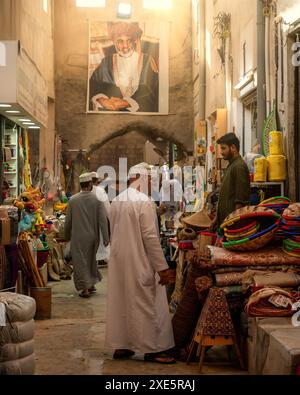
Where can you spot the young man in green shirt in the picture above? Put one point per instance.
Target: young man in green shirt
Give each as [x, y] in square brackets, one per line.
[235, 187]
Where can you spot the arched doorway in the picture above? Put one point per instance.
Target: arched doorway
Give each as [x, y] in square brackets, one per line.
[132, 142]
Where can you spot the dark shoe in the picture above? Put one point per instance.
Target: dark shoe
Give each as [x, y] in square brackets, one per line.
[160, 357]
[92, 290]
[123, 354]
[102, 264]
[83, 294]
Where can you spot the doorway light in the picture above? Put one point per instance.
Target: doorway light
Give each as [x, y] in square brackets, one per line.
[157, 4]
[124, 10]
[90, 3]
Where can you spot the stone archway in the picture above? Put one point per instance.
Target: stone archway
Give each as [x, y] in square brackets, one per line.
[129, 142]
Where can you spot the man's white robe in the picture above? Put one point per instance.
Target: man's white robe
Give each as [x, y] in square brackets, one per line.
[102, 252]
[138, 315]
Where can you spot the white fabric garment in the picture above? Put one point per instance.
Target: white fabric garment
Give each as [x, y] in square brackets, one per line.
[137, 308]
[128, 74]
[103, 252]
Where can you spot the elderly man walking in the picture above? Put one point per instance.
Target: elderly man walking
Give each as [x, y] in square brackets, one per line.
[103, 251]
[138, 319]
[86, 218]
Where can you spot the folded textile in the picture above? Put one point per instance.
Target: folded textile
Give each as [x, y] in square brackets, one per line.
[270, 302]
[233, 289]
[227, 269]
[203, 284]
[278, 279]
[271, 256]
[226, 279]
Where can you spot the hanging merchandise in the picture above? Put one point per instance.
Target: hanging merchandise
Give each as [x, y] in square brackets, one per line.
[269, 126]
[21, 163]
[28, 180]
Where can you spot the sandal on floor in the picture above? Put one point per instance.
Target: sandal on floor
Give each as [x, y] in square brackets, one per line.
[123, 354]
[93, 290]
[160, 357]
[84, 295]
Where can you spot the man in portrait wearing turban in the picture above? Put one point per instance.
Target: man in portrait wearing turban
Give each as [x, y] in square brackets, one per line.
[126, 80]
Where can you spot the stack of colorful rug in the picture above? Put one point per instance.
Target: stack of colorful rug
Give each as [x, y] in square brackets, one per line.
[291, 230]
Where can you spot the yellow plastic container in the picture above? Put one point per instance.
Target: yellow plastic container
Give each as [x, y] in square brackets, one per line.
[276, 168]
[260, 169]
[276, 143]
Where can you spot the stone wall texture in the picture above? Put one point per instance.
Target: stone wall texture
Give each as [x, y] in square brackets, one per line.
[82, 130]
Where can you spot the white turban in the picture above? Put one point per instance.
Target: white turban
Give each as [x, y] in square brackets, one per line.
[141, 169]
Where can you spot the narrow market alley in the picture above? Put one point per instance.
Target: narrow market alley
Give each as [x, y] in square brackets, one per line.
[72, 342]
[150, 189]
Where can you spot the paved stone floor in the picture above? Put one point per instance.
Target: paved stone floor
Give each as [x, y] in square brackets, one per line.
[72, 342]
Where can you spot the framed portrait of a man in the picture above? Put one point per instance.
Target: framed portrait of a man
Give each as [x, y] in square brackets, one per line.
[128, 68]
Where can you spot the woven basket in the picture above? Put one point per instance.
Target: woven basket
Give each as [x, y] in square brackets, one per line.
[246, 228]
[253, 231]
[205, 240]
[277, 200]
[246, 213]
[187, 234]
[253, 242]
[293, 211]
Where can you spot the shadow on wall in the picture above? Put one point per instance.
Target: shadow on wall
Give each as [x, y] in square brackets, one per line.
[157, 136]
[128, 142]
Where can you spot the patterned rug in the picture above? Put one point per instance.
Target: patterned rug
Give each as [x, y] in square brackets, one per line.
[271, 256]
[189, 308]
[215, 319]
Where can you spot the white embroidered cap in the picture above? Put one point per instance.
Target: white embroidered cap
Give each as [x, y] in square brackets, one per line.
[86, 177]
[94, 175]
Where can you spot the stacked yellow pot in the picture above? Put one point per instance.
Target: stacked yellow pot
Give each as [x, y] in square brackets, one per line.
[276, 160]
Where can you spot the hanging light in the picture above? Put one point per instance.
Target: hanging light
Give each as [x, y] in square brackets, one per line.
[124, 10]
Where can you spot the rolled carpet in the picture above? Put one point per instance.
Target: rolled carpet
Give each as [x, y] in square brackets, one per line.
[189, 308]
[226, 279]
[270, 256]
